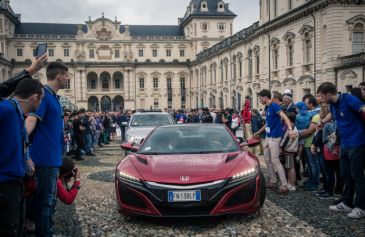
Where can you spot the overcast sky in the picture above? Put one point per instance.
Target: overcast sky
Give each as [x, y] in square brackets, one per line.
[132, 12]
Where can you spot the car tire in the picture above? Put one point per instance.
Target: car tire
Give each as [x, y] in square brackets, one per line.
[262, 190]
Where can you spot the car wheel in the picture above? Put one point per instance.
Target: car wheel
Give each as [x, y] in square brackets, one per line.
[262, 189]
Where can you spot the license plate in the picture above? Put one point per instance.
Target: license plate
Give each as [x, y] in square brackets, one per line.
[184, 196]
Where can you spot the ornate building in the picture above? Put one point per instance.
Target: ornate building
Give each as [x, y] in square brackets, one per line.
[296, 45]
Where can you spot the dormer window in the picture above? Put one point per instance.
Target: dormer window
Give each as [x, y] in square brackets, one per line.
[221, 6]
[204, 6]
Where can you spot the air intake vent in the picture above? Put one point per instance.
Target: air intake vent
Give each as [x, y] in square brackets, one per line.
[231, 157]
[142, 160]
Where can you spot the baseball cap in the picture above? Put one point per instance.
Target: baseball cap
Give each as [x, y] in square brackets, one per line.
[288, 92]
[302, 107]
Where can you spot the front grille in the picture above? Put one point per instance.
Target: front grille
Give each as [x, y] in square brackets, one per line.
[244, 195]
[130, 198]
[186, 209]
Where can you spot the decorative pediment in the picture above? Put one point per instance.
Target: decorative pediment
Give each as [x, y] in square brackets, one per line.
[155, 46]
[102, 29]
[91, 46]
[205, 44]
[348, 74]
[51, 45]
[155, 74]
[288, 35]
[182, 46]
[141, 74]
[169, 74]
[168, 46]
[274, 41]
[306, 28]
[306, 78]
[117, 46]
[356, 19]
[286, 80]
[19, 45]
[66, 45]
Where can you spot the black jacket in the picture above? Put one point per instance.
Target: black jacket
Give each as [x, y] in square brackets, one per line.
[8, 87]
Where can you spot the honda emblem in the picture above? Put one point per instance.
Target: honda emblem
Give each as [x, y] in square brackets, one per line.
[184, 178]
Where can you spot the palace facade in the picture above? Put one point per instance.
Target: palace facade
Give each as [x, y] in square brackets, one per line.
[296, 44]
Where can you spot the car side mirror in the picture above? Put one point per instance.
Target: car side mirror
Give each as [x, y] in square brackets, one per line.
[253, 142]
[129, 147]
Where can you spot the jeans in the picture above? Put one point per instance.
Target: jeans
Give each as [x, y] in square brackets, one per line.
[314, 167]
[271, 153]
[88, 142]
[334, 181]
[96, 138]
[11, 208]
[45, 199]
[352, 172]
[322, 167]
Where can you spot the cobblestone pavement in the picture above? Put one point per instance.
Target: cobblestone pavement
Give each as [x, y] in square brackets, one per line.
[94, 212]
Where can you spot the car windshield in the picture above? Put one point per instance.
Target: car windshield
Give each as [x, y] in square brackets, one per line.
[153, 120]
[189, 140]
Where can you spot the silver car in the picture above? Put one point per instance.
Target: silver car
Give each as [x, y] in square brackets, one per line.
[142, 123]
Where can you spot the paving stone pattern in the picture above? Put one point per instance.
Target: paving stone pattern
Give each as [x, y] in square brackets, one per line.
[94, 212]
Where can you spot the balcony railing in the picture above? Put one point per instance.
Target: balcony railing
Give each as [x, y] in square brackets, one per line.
[352, 60]
[152, 38]
[43, 36]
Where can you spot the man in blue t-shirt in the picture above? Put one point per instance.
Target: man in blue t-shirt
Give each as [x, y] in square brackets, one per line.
[14, 159]
[274, 133]
[346, 110]
[46, 148]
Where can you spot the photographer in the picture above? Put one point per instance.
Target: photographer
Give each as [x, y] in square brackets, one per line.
[68, 174]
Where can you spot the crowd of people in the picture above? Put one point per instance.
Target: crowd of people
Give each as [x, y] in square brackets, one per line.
[317, 143]
[33, 172]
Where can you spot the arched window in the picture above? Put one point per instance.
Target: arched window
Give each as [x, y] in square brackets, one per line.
[169, 92]
[118, 80]
[92, 79]
[307, 48]
[275, 56]
[358, 38]
[257, 60]
[249, 58]
[222, 71]
[105, 81]
[226, 69]
[290, 49]
[234, 68]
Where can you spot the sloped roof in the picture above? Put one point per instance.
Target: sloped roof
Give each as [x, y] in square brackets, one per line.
[212, 10]
[71, 29]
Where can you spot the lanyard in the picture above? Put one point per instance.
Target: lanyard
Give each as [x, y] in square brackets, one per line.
[57, 97]
[25, 136]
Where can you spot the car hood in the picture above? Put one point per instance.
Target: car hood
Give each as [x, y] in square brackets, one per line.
[140, 132]
[198, 167]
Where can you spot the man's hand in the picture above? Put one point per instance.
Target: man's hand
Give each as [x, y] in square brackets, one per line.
[30, 167]
[292, 133]
[77, 174]
[37, 64]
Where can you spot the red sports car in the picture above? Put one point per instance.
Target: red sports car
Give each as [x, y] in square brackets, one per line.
[189, 170]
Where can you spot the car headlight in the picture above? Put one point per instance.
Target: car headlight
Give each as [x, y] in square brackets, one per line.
[245, 174]
[128, 178]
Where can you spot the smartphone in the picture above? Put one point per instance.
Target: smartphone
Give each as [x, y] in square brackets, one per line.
[41, 49]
